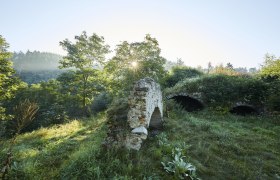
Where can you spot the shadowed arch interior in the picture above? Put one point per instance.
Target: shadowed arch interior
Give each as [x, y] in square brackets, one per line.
[243, 110]
[156, 120]
[189, 104]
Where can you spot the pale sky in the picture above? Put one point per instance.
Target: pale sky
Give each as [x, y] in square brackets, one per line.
[197, 31]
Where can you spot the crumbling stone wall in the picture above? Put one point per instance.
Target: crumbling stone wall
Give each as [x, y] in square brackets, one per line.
[145, 110]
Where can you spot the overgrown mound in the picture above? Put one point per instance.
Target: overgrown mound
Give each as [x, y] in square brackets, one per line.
[117, 122]
[222, 91]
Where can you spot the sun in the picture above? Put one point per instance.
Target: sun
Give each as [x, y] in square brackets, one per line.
[134, 64]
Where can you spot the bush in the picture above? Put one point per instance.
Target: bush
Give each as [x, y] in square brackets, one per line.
[224, 91]
[179, 73]
[50, 102]
[117, 112]
[273, 96]
[100, 103]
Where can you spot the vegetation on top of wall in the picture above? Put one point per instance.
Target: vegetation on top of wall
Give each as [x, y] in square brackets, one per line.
[179, 73]
[223, 90]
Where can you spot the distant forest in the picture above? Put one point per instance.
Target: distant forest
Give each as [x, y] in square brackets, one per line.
[34, 67]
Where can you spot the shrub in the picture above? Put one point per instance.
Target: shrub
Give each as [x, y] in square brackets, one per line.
[179, 73]
[51, 104]
[224, 91]
[100, 103]
[273, 96]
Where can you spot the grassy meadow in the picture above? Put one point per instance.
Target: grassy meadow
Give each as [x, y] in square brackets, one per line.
[219, 146]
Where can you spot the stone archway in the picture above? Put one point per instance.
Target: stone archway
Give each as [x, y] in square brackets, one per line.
[145, 110]
[188, 102]
[156, 119]
[243, 110]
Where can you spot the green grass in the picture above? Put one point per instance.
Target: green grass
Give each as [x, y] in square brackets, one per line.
[228, 146]
[220, 146]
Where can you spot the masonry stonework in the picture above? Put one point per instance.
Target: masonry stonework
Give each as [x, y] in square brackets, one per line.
[145, 111]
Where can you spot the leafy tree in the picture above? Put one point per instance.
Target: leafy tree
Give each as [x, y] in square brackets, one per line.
[209, 67]
[134, 61]
[82, 55]
[180, 62]
[271, 67]
[179, 73]
[71, 87]
[8, 82]
[229, 66]
[270, 73]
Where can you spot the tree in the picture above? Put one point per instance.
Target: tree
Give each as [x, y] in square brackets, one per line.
[229, 66]
[209, 67]
[83, 55]
[8, 82]
[271, 67]
[270, 72]
[180, 62]
[134, 61]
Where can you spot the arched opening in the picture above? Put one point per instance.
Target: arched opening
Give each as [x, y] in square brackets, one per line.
[243, 110]
[156, 120]
[189, 104]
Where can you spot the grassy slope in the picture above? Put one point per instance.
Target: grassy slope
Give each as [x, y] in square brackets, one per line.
[231, 147]
[221, 147]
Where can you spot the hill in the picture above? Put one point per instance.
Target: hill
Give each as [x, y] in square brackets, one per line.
[36, 66]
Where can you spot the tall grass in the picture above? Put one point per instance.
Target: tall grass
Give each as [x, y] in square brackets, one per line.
[219, 146]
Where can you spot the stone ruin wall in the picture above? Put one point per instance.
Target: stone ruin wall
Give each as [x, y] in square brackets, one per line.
[145, 110]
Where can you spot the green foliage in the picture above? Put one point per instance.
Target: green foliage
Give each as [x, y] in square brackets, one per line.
[85, 52]
[179, 73]
[271, 68]
[101, 102]
[228, 70]
[273, 96]
[24, 114]
[117, 112]
[134, 61]
[8, 82]
[224, 91]
[80, 93]
[50, 100]
[83, 55]
[177, 164]
[179, 167]
[33, 77]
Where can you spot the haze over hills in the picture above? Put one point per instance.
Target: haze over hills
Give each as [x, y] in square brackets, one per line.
[35, 61]
[36, 66]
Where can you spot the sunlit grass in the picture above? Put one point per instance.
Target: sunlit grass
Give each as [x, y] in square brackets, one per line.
[228, 146]
[43, 152]
[220, 146]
